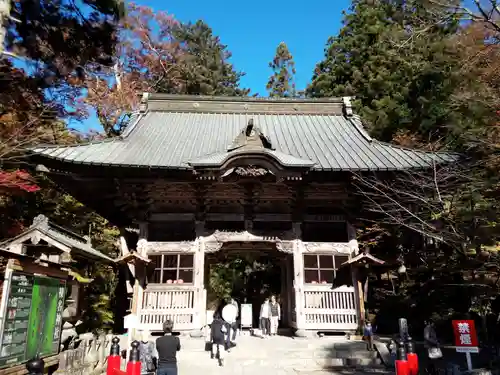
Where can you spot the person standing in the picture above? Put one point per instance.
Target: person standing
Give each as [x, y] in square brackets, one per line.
[265, 314]
[235, 325]
[275, 315]
[431, 343]
[148, 354]
[167, 347]
[229, 314]
[368, 333]
[218, 331]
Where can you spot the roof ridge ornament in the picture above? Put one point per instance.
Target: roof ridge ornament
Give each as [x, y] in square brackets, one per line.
[348, 112]
[40, 221]
[251, 138]
[249, 129]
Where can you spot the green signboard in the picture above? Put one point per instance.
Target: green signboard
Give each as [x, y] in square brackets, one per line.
[32, 318]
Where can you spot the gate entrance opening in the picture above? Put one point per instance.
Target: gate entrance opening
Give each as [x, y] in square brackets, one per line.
[250, 273]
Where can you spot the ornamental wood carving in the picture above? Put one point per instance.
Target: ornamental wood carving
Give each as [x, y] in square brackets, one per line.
[285, 247]
[251, 171]
[213, 247]
[246, 236]
[282, 246]
[216, 240]
[148, 247]
[40, 221]
[327, 247]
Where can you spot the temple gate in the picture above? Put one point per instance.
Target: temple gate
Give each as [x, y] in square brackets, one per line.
[310, 303]
[193, 175]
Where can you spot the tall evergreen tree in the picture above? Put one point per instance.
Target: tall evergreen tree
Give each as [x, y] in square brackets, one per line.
[282, 83]
[206, 69]
[400, 64]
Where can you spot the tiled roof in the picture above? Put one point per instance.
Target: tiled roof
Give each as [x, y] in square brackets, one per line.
[64, 236]
[221, 157]
[171, 133]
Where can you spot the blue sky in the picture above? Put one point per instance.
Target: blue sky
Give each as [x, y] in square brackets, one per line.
[252, 31]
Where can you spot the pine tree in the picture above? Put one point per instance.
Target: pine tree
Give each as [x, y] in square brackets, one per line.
[399, 63]
[282, 83]
[206, 70]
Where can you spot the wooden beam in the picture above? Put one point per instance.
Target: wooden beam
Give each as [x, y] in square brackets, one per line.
[272, 217]
[29, 267]
[324, 218]
[224, 217]
[172, 216]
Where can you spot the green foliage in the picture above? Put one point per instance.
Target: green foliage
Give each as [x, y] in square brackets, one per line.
[17, 213]
[205, 68]
[245, 276]
[281, 84]
[400, 64]
[418, 76]
[223, 278]
[99, 296]
[62, 35]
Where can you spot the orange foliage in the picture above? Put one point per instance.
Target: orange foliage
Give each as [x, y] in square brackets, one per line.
[147, 56]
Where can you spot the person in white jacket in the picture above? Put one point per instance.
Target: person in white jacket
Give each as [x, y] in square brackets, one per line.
[275, 316]
[265, 314]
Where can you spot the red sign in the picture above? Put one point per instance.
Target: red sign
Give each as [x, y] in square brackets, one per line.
[465, 333]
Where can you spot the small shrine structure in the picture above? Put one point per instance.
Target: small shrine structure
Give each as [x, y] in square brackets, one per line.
[201, 175]
[40, 292]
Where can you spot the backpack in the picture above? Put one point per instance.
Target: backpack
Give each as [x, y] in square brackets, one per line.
[146, 354]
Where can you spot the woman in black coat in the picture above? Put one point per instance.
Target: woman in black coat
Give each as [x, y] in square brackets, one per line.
[218, 331]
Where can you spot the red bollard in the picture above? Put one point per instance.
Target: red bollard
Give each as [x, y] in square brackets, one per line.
[402, 363]
[412, 363]
[412, 357]
[134, 363]
[114, 359]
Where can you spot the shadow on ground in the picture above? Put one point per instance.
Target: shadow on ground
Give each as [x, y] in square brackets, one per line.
[352, 357]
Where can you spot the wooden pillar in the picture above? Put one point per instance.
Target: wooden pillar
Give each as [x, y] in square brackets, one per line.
[357, 282]
[284, 290]
[298, 279]
[143, 230]
[289, 289]
[199, 277]
[140, 276]
[359, 295]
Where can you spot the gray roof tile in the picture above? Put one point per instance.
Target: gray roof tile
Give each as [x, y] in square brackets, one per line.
[63, 236]
[221, 157]
[171, 139]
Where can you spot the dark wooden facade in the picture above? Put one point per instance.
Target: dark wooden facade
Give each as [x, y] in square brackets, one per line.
[197, 176]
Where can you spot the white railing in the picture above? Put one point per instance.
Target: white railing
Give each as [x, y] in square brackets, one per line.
[177, 305]
[330, 309]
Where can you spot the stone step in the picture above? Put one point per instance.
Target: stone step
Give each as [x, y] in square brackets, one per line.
[280, 355]
[287, 358]
[262, 367]
[348, 355]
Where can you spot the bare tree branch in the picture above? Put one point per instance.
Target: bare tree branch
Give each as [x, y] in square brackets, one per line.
[429, 202]
[490, 17]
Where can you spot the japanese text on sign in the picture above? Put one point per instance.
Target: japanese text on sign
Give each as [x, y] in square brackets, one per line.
[465, 333]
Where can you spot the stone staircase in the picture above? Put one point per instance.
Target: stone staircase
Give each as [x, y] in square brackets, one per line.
[281, 356]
